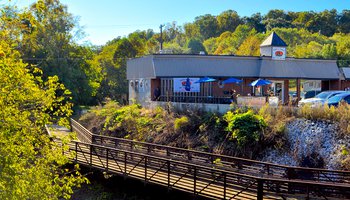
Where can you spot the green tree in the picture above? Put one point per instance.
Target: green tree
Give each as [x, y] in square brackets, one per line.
[343, 49]
[255, 21]
[50, 45]
[195, 46]
[208, 26]
[250, 46]
[210, 45]
[112, 60]
[277, 18]
[31, 166]
[228, 21]
[344, 22]
[192, 30]
[311, 50]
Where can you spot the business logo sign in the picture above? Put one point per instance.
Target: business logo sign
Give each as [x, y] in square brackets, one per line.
[278, 53]
[186, 85]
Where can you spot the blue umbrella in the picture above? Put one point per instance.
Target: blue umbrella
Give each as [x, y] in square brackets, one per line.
[232, 80]
[205, 80]
[260, 82]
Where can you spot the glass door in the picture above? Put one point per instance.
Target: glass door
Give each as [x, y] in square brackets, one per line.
[277, 88]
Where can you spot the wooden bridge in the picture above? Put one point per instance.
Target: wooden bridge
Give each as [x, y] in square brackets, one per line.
[205, 174]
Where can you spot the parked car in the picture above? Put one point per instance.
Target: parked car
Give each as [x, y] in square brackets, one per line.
[311, 93]
[337, 99]
[320, 99]
[293, 96]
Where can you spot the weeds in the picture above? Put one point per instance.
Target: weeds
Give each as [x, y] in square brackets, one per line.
[340, 115]
[240, 132]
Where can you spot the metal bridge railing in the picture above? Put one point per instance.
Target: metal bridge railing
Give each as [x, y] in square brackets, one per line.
[233, 164]
[200, 179]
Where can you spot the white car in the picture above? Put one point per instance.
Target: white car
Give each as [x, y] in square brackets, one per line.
[320, 99]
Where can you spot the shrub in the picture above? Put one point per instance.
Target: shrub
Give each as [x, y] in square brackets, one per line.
[180, 123]
[345, 164]
[245, 127]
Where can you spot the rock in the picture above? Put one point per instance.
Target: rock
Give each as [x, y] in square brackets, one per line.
[316, 140]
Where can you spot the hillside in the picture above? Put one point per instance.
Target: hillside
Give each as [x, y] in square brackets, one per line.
[283, 135]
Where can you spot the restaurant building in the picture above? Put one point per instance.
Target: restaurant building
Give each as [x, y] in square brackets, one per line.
[202, 80]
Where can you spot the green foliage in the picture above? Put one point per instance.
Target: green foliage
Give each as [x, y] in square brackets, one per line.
[195, 46]
[130, 121]
[32, 167]
[246, 128]
[48, 41]
[344, 151]
[180, 123]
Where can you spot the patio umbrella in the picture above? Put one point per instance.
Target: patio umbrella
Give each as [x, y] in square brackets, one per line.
[260, 82]
[232, 80]
[205, 80]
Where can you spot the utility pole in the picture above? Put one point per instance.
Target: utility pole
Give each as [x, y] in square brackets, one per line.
[161, 36]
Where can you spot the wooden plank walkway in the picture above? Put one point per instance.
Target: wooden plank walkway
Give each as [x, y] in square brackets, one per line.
[190, 171]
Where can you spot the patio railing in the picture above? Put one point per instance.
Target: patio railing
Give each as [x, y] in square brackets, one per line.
[197, 99]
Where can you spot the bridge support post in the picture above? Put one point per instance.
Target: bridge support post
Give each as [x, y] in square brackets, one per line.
[145, 170]
[194, 181]
[107, 153]
[260, 194]
[90, 155]
[225, 185]
[76, 152]
[125, 158]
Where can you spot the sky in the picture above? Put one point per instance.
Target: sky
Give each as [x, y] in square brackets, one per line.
[104, 20]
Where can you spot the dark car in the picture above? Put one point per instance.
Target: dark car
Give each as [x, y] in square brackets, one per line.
[335, 100]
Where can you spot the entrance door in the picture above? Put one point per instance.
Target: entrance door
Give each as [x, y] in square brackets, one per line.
[277, 87]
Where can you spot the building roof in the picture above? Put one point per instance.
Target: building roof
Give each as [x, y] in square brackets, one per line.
[155, 66]
[346, 72]
[273, 40]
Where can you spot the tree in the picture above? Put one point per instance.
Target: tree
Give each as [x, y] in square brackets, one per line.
[344, 22]
[112, 60]
[31, 166]
[304, 19]
[311, 50]
[255, 21]
[50, 45]
[195, 46]
[329, 51]
[171, 31]
[208, 26]
[324, 22]
[210, 45]
[277, 18]
[192, 30]
[343, 49]
[250, 46]
[228, 21]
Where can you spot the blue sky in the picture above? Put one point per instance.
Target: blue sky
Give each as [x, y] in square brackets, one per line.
[104, 20]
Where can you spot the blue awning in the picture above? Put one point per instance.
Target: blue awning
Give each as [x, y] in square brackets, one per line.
[205, 80]
[232, 80]
[260, 82]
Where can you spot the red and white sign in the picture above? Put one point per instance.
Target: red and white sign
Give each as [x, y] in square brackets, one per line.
[278, 53]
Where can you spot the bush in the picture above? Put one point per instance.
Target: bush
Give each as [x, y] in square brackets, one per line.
[180, 123]
[245, 127]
